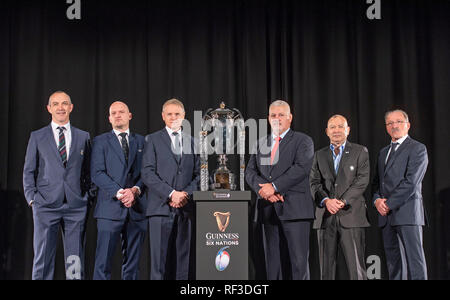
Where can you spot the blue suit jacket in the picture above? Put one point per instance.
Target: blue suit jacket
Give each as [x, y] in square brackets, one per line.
[400, 182]
[110, 173]
[45, 179]
[162, 174]
[290, 176]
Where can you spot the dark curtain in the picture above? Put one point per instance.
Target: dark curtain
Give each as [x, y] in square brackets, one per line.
[323, 57]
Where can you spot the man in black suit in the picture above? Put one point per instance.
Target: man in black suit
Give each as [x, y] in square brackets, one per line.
[398, 199]
[339, 176]
[279, 177]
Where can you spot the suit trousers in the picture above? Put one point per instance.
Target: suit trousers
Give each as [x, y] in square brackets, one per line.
[286, 245]
[47, 222]
[352, 244]
[170, 247]
[403, 246]
[132, 236]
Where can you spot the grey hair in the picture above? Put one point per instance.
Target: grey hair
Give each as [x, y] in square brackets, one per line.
[405, 115]
[173, 101]
[59, 92]
[280, 103]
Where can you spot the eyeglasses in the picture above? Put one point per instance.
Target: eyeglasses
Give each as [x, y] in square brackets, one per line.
[396, 123]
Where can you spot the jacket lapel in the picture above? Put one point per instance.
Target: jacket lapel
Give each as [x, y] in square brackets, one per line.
[133, 149]
[282, 147]
[166, 138]
[344, 158]
[73, 144]
[396, 153]
[51, 143]
[115, 145]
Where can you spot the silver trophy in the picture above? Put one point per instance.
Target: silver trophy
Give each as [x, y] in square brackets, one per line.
[218, 127]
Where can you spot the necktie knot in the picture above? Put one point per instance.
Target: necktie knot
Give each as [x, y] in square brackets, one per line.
[123, 135]
[61, 129]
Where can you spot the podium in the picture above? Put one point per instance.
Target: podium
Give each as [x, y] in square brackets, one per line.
[222, 235]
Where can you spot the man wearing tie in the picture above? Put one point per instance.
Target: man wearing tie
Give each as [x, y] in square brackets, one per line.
[398, 199]
[279, 174]
[339, 176]
[120, 210]
[171, 172]
[56, 183]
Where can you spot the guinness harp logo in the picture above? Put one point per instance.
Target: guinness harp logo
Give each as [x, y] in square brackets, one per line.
[223, 220]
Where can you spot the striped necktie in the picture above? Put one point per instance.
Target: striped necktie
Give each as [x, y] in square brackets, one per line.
[62, 145]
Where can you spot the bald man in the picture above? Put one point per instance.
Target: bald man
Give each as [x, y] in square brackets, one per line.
[339, 176]
[56, 183]
[115, 167]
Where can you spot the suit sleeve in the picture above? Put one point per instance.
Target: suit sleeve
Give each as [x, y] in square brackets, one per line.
[376, 184]
[415, 171]
[361, 180]
[300, 169]
[99, 172]
[86, 180]
[316, 182]
[149, 175]
[252, 176]
[30, 169]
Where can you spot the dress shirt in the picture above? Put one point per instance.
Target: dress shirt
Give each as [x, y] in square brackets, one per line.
[67, 136]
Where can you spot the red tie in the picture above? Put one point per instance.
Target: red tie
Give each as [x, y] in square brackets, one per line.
[274, 149]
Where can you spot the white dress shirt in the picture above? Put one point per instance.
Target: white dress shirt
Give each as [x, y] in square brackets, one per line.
[117, 133]
[67, 136]
[172, 138]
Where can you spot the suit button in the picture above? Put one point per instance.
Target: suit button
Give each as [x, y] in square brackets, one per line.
[179, 172]
[270, 177]
[335, 184]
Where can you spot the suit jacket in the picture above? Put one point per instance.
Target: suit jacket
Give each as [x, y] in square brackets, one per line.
[400, 182]
[162, 174]
[110, 173]
[349, 184]
[45, 179]
[290, 176]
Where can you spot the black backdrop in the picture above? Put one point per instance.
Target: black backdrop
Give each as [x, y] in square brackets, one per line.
[323, 57]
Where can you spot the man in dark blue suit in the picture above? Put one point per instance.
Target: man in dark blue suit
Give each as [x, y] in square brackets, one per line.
[56, 183]
[398, 199]
[280, 178]
[120, 210]
[171, 172]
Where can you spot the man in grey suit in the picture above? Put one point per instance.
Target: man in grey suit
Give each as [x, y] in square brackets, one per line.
[171, 172]
[339, 176]
[280, 178]
[56, 183]
[398, 199]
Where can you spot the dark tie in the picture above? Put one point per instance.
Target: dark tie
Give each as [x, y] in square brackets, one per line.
[337, 150]
[391, 153]
[274, 149]
[62, 146]
[177, 146]
[124, 143]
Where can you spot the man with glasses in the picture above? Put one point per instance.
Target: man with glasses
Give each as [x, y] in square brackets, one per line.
[398, 199]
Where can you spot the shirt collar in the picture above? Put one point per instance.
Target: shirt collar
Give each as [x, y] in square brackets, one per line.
[342, 147]
[282, 135]
[55, 126]
[117, 132]
[400, 141]
[170, 131]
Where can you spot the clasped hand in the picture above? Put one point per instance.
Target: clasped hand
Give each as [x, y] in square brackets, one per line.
[178, 199]
[268, 192]
[128, 197]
